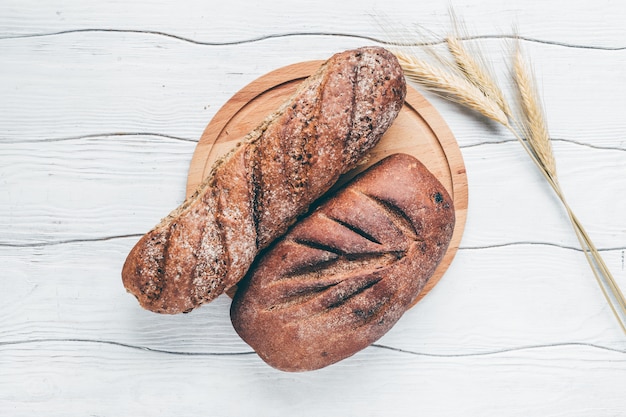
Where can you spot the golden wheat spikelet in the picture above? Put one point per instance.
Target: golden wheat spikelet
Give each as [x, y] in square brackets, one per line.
[533, 119]
[450, 85]
[477, 72]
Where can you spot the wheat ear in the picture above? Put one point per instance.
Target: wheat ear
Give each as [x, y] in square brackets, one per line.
[534, 122]
[450, 86]
[477, 72]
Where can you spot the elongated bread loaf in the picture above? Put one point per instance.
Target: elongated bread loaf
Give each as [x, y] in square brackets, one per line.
[257, 191]
[345, 274]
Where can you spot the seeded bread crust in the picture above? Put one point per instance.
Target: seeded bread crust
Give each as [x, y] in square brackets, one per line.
[344, 275]
[257, 191]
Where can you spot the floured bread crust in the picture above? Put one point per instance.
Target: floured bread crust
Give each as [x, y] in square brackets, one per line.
[257, 191]
[344, 275]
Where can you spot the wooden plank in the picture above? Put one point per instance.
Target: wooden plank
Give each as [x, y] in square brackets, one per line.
[140, 84]
[510, 201]
[495, 298]
[585, 23]
[89, 188]
[66, 379]
[80, 189]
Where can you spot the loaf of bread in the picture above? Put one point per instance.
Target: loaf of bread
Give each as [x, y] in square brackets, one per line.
[258, 190]
[344, 275]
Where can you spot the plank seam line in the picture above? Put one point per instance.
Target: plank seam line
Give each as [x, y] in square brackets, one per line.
[295, 34]
[571, 141]
[121, 344]
[375, 345]
[99, 135]
[183, 139]
[530, 243]
[68, 241]
[504, 350]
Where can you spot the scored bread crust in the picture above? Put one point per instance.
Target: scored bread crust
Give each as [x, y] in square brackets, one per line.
[345, 274]
[258, 190]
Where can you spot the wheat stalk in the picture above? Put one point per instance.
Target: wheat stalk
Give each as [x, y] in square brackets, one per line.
[467, 81]
[538, 138]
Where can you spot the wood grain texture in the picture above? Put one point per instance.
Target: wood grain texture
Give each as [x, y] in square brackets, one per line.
[102, 106]
[110, 380]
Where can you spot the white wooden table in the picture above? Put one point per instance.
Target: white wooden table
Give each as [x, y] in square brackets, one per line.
[101, 106]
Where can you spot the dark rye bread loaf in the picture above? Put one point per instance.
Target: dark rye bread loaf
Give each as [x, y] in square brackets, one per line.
[343, 276]
[257, 191]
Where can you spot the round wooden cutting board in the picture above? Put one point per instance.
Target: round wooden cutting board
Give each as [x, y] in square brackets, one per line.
[419, 130]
